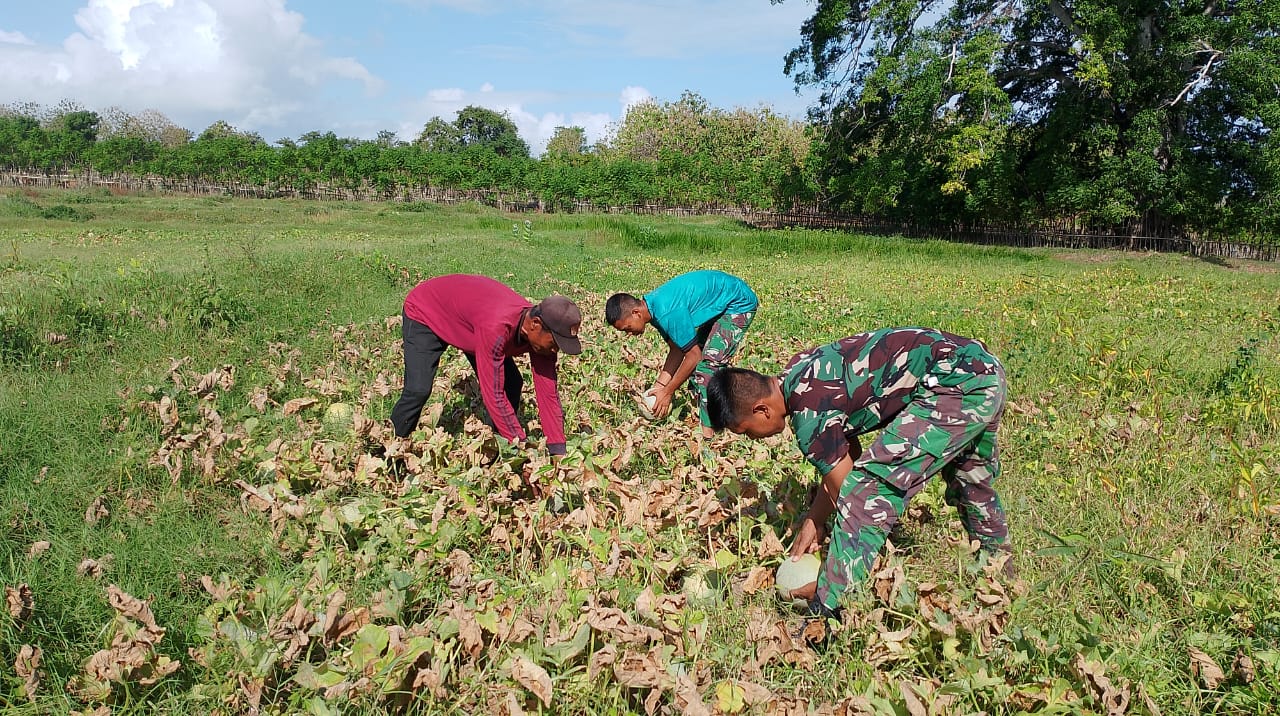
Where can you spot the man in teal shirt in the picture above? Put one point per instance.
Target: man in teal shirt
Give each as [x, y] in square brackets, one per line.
[702, 315]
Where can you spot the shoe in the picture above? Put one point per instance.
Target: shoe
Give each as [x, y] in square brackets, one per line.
[816, 631]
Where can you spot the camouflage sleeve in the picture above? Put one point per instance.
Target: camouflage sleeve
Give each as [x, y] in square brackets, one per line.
[820, 436]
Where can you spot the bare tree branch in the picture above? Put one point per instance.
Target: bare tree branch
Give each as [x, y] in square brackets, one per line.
[1204, 72]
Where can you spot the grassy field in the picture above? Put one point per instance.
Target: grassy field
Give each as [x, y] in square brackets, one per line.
[183, 533]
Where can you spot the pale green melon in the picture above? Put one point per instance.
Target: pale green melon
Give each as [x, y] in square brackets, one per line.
[339, 417]
[702, 588]
[796, 573]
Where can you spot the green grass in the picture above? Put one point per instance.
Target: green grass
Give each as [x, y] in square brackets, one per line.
[1140, 464]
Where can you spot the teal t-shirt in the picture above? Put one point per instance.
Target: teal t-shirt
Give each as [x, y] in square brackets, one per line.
[691, 300]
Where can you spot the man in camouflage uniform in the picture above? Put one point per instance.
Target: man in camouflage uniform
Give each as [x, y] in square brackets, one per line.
[936, 399]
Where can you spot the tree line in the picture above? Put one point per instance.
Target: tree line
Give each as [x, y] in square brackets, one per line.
[681, 153]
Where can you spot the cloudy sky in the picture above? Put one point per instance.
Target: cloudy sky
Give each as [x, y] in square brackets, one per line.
[285, 67]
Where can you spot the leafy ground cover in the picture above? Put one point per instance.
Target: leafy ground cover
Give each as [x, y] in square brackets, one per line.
[185, 532]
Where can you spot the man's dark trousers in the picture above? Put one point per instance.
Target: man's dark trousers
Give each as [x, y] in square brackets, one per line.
[422, 351]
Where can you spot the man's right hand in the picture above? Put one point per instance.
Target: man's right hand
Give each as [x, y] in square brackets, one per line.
[808, 538]
[662, 401]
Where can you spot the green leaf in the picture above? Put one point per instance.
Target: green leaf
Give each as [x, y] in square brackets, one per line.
[1056, 551]
[566, 650]
[370, 642]
[488, 620]
[724, 559]
[318, 676]
[730, 698]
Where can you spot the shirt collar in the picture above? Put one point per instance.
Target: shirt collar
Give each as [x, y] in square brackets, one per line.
[519, 339]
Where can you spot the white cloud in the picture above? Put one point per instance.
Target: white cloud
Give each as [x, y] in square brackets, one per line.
[536, 129]
[14, 38]
[448, 96]
[246, 61]
[632, 96]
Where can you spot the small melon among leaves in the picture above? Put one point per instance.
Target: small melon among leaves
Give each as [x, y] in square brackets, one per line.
[793, 574]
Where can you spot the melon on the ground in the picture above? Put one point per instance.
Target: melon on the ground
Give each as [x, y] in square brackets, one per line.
[702, 588]
[645, 404]
[339, 417]
[795, 573]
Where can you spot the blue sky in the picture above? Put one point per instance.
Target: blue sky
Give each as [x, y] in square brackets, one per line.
[285, 67]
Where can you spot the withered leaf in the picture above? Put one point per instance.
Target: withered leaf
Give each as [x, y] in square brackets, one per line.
[769, 546]
[532, 677]
[20, 601]
[636, 670]
[131, 607]
[297, 405]
[1203, 666]
[27, 667]
[601, 660]
[94, 568]
[911, 699]
[1114, 698]
[815, 631]
[96, 511]
[258, 400]
[758, 578]
[1243, 667]
[219, 591]
[688, 698]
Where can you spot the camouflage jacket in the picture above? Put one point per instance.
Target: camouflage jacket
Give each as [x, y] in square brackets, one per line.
[860, 383]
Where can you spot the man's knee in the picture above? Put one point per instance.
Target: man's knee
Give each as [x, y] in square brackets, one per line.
[415, 395]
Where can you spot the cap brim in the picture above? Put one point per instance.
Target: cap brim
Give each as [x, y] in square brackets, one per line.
[567, 344]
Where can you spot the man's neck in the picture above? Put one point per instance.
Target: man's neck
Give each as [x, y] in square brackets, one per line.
[522, 326]
[782, 397]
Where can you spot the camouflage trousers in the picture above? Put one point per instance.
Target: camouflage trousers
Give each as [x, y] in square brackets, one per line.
[720, 340]
[949, 427]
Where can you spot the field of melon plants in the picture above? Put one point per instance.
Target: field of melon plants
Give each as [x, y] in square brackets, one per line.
[182, 531]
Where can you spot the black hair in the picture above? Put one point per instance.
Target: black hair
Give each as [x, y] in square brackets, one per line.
[618, 304]
[730, 394]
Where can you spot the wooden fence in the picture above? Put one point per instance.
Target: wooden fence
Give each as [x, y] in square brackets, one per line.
[1067, 234]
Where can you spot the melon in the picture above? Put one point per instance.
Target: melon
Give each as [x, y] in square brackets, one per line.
[646, 403]
[702, 588]
[796, 573]
[339, 417]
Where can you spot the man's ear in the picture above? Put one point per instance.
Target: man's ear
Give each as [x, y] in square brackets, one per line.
[531, 326]
[761, 408]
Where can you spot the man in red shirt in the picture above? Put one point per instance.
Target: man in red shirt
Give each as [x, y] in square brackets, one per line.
[491, 324]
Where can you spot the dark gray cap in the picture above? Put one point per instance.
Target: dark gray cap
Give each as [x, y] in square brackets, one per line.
[563, 318]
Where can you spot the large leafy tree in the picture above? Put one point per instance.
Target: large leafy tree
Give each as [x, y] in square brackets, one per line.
[1033, 108]
[438, 136]
[476, 127]
[567, 142]
[481, 127]
[709, 155]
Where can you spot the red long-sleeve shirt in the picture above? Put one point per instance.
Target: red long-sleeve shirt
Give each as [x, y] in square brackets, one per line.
[481, 316]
